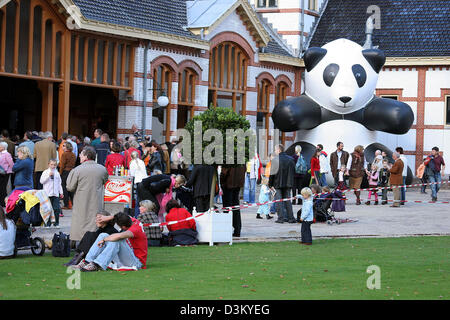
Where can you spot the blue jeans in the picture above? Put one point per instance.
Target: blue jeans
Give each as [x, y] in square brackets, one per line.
[435, 177]
[249, 189]
[403, 192]
[323, 180]
[117, 251]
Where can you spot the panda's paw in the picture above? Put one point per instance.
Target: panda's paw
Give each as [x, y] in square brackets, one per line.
[388, 115]
[300, 113]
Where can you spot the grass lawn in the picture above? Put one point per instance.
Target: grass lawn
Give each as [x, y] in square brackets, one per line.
[411, 268]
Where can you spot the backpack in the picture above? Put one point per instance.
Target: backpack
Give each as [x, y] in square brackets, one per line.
[431, 167]
[61, 245]
[300, 166]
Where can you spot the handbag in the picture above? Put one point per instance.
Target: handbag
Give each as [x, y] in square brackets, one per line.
[61, 245]
[2, 171]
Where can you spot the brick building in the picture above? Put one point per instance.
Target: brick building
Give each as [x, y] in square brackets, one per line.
[76, 65]
[414, 36]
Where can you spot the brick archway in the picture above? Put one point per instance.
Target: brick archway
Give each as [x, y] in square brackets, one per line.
[228, 36]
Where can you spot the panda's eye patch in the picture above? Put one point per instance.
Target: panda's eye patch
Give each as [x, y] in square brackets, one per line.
[360, 74]
[330, 73]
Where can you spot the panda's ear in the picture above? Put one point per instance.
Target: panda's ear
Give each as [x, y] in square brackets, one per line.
[375, 57]
[313, 56]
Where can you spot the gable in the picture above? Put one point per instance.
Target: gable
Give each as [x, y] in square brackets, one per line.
[204, 16]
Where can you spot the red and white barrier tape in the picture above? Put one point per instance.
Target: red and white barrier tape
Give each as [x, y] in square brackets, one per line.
[396, 186]
[250, 205]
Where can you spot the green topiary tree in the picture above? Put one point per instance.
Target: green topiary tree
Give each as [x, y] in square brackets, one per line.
[219, 136]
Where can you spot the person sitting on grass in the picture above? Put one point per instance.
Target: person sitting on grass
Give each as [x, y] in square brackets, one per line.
[147, 214]
[7, 235]
[128, 249]
[182, 233]
[89, 237]
[307, 216]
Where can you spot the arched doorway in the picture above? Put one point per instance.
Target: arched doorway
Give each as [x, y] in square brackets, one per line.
[91, 108]
[20, 105]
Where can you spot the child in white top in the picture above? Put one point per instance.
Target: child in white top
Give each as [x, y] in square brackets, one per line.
[307, 216]
[51, 182]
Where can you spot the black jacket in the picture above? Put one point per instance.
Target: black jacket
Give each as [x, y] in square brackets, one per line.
[102, 150]
[284, 176]
[157, 184]
[155, 162]
[201, 179]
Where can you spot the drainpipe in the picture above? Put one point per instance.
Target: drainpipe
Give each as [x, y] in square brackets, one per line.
[369, 32]
[302, 26]
[144, 89]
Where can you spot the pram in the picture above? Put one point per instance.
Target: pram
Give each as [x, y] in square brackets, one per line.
[25, 223]
[322, 209]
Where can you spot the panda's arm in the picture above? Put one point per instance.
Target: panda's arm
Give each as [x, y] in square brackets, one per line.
[388, 115]
[300, 113]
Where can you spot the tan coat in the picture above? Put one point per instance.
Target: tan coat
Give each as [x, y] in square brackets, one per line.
[86, 182]
[44, 150]
[396, 178]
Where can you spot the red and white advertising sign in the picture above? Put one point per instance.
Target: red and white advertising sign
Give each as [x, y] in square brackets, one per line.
[118, 190]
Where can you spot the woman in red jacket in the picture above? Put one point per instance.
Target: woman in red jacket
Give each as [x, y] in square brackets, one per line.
[182, 233]
[114, 159]
[176, 213]
[315, 167]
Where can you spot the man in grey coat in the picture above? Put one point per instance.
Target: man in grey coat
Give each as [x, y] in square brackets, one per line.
[282, 179]
[86, 182]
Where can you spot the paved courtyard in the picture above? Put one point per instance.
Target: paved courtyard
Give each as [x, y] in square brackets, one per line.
[412, 219]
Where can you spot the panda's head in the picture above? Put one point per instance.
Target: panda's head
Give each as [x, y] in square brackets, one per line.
[341, 76]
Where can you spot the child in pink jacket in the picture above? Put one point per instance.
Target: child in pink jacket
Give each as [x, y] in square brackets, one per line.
[372, 176]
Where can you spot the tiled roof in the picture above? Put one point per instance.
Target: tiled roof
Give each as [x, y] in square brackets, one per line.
[275, 48]
[168, 16]
[409, 28]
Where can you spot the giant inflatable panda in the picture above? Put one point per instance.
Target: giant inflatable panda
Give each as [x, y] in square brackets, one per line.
[339, 103]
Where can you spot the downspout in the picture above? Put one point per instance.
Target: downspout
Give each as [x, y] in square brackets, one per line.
[144, 89]
[302, 26]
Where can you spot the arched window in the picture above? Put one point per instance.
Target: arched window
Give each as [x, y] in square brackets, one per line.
[186, 96]
[163, 76]
[228, 77]
[281, 91]
[265, 88]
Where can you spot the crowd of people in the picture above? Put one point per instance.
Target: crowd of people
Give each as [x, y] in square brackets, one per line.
[74, 170]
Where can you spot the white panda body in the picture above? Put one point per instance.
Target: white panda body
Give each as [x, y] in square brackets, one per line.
[339, 102]
[344, 54]
[329, 133]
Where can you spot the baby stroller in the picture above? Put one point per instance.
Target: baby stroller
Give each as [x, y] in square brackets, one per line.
[25, 223]
[322, 209]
